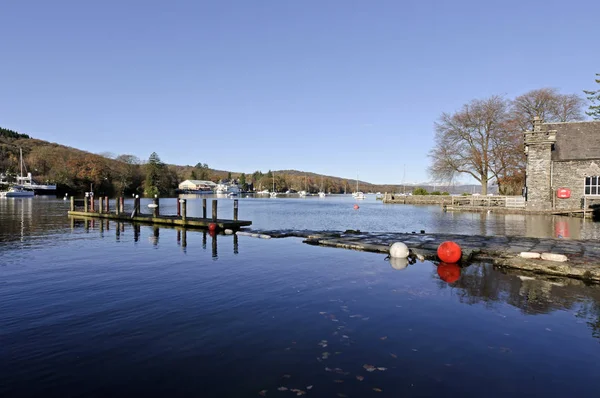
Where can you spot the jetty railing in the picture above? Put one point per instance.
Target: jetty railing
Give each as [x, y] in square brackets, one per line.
[488, 201]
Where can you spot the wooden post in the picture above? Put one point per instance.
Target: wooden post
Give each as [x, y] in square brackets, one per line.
[204, 208]
[106, 205]
[178, 208]
[72, 203]
[122, 204]
[100, 205]
[85, 204]
[235, 209]
[183, 209]
[92, 203]
[214, 210]
[155, 211]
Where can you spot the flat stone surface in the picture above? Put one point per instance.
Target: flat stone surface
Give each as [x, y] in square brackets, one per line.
[583, 255]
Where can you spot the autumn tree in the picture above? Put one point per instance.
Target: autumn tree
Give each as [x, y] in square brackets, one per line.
[547, 104]
[594, 98]
[464, 141]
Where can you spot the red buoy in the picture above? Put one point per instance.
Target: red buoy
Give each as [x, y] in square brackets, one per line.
[449, 273]
[212, 227]
[449, 252]
[356, 207]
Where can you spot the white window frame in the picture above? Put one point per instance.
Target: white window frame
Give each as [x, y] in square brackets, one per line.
[588, 182]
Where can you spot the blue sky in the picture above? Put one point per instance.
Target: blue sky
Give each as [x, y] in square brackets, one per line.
[334, 87]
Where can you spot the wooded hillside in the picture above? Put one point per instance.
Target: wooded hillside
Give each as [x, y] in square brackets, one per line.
[75, 171]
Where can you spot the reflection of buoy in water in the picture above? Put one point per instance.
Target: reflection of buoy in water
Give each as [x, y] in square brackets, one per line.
[449, 252]
[398, 263]
[212, 227]
[449, 273]
[356, 207]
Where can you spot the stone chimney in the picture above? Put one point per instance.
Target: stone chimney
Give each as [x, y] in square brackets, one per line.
[538, 148]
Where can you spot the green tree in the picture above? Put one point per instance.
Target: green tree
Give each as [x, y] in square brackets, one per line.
[229, 176]
[160, 179]
[594, 98]
[243, 182]
[193, 175]
[420, 191]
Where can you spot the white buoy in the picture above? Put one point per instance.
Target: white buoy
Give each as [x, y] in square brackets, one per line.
[530, 255]
[399, 250]
[398, 263]
[228, 232]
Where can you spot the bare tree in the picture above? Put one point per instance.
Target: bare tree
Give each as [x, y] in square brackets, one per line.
[465, 140]
[547, 104]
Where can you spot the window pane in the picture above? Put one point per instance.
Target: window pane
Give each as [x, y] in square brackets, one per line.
[587, 190]
[588, 181]
[594, 191]
[594, 180]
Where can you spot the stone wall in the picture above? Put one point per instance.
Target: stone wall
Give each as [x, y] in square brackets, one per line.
[539, 194]
[571, 174]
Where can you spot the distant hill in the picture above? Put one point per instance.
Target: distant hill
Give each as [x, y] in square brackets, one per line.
[74, 170]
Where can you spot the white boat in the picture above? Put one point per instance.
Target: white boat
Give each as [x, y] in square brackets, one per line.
[17, 191]
[321, 191]
[358, 194]
[302, 194]
[263, 192]
[227, 189]
[273, 193]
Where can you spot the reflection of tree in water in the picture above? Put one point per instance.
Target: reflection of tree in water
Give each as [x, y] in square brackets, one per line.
[482, 284]
[590, 311]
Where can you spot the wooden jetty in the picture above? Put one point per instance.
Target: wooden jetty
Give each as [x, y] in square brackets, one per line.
[118, 213]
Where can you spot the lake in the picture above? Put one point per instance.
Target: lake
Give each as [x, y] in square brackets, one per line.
[98, 309]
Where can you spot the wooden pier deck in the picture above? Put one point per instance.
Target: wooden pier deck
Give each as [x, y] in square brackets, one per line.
[180, 219]
[193, 222]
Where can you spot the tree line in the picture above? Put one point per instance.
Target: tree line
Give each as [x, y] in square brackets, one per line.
[484, 138]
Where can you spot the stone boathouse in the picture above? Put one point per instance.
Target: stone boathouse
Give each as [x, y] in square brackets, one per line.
[563, 165]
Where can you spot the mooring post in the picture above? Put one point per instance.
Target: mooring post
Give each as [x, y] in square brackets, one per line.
[178, 208]
[100, 205]
[204, 208]
[92, 202]
[155, 211]
[106, 205]
[117, 205]
[85, 203]
[136, 205]
[235, 209]
[72, 203]
[214, 210]
[183, 208]
[122, 204]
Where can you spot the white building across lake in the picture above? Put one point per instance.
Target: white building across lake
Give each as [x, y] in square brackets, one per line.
[197, 186]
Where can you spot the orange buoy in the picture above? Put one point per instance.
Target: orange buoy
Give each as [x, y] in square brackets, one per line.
[449, 273]
[212, 227]
[449, 252]
[356, 207]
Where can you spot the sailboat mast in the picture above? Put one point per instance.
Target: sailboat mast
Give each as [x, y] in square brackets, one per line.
[21, 160]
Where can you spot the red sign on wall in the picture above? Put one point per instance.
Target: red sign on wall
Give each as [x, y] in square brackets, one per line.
[563, 193]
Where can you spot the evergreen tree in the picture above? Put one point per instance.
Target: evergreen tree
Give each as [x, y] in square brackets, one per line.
[193, 175]
[229, 176]
[594, 97]
[243, 183]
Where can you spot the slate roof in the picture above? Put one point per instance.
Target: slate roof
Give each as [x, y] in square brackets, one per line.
[576, 140]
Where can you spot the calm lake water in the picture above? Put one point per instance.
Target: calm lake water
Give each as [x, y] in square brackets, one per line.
[96, 309]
